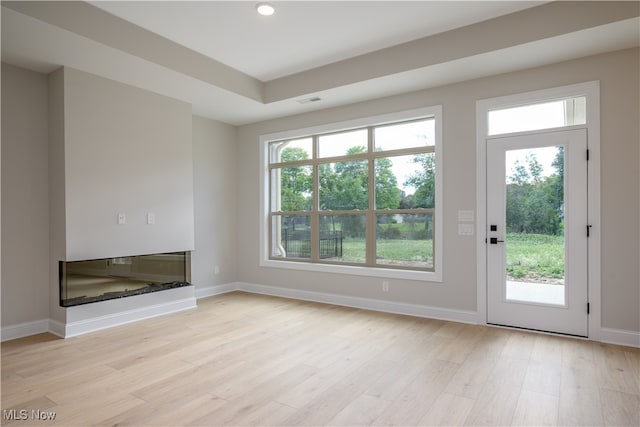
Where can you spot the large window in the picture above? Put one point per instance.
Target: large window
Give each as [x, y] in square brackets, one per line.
[359, 196]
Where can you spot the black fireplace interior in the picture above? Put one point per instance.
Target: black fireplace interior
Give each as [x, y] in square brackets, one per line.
[84, 282]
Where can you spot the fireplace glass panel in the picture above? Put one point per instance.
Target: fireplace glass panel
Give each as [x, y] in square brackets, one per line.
[83, 282]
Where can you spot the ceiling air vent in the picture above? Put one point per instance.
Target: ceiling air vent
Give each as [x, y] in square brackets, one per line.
[308, 100]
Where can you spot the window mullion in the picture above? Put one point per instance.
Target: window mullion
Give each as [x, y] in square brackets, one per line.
[370, 233]
[315, 219]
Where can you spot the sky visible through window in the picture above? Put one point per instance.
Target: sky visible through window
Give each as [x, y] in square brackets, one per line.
[391, 137]
[529, 117]
[543, 155]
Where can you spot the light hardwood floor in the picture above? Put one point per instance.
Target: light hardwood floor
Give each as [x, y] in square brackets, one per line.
[242, 359]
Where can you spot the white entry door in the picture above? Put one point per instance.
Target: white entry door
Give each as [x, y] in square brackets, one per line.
[537, 226]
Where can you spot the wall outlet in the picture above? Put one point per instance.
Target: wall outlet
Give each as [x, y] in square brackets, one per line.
[122, 218]
[385, 286]
[216, 269]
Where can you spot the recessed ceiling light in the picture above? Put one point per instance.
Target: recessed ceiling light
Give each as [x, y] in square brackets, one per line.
[265, 9]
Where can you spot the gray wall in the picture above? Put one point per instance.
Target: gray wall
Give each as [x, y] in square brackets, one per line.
[214, 164]
[618, 74]
[25, 199]
[126, 150]
[620, 193]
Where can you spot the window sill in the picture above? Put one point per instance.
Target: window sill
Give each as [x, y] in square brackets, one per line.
[387, 273]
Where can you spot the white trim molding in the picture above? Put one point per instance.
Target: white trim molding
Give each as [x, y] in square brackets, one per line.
[56, 328]
[618, 337]
[26, 329]
[209, 291]
[72, 329]
[607, 335]
[363, 303]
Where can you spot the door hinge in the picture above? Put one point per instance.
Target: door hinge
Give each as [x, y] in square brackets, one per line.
[588, 308]
[588, 152]
[589, 230]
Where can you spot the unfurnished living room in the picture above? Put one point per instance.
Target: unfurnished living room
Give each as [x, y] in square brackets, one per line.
[310, 213]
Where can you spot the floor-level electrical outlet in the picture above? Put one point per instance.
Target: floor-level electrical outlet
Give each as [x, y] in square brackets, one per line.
[385, 286]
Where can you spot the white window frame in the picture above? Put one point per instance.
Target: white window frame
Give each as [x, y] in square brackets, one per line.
[382, 272]
[591, 90]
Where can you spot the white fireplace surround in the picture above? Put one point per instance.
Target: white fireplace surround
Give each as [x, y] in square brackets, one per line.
[118, 156]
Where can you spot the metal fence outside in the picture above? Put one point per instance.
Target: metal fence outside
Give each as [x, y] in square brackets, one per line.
[297, 243]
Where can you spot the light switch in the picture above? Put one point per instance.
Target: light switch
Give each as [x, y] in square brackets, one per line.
[122, 218]
[465, 229]
[151, 218]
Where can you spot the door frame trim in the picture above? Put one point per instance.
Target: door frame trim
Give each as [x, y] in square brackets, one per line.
[591, 90]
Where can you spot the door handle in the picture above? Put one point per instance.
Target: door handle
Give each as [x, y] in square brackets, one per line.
[495, 241]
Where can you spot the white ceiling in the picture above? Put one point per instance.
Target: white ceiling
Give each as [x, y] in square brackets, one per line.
[301, 34]
[236, 66]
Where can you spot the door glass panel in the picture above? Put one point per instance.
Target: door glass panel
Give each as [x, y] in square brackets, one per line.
[535, 241]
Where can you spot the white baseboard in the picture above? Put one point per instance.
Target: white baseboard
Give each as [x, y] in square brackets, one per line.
[364, 303]
[26, 329]
[606, 335]
[56, 328]
[619, 337]
[209, 291]
[72, 329]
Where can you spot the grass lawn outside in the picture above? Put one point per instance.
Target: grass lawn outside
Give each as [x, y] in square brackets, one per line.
[533, 258]
[536, 258]
[415, 253]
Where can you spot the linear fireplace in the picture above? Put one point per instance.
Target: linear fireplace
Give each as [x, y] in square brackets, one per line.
[84, 282]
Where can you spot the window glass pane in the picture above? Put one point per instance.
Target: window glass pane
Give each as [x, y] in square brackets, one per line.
[288, 151]
[405, 182]
[295, 190]
[547, 115]
[343, 143]
[405, 240]
[344, 185]
[405, 135]
[415, 177]
[291, 236]
[342, 238]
